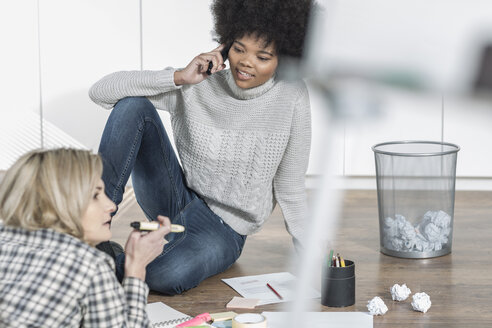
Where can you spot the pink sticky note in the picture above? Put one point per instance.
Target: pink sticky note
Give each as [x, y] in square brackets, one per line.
[242, 303]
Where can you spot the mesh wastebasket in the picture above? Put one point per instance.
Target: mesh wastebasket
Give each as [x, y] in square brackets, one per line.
[416, 187]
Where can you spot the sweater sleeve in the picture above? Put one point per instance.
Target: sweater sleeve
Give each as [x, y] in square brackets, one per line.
[157, 86]
[107, 304]
[289, 181]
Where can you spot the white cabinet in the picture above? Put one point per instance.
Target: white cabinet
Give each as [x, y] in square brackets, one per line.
[469, 124]
[81, 41]
[19, 79]
[402, 116]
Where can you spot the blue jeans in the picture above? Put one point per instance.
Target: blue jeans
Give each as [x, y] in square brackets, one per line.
[135, 141]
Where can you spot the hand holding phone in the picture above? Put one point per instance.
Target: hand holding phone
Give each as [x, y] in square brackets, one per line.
[224, 52]
[201, 66]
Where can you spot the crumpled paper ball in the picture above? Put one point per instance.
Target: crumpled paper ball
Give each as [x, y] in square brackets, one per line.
[421, 302]
[376, 306]
[399, 233]
[391, 229]
[435, 226]
[440, 218]
[400, 293]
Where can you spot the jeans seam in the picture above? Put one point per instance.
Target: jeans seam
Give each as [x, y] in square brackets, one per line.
[128, 160]
[239, 249]
[184, 234]
[166, 160]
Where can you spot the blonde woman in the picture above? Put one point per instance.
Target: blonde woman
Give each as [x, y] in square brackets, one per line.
[53, 210]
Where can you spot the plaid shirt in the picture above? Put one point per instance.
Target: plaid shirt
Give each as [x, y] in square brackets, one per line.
[50, 279]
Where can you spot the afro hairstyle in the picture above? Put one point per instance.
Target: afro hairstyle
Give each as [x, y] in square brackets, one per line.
[281, 22]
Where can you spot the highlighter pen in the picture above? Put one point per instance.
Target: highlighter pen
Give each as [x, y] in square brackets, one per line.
[197, 321]
[154, 225]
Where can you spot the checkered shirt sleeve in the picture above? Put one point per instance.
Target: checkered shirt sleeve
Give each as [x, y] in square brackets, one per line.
[109, 305]
[136, 298]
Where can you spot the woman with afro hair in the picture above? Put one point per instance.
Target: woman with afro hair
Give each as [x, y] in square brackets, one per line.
[242, 135]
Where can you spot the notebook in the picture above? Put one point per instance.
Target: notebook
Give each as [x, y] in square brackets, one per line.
[164, 316]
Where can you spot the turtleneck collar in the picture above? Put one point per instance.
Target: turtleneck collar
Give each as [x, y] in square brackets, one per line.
[251, 93]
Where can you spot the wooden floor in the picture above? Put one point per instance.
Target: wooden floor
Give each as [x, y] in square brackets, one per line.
[459, 284]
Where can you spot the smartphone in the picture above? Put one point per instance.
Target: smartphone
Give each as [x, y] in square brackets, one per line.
[224, 52]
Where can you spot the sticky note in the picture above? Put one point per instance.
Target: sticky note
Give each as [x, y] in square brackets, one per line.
[222, 316]
[242, 303]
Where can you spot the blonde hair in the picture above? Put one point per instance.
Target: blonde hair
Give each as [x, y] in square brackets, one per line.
[50, 189]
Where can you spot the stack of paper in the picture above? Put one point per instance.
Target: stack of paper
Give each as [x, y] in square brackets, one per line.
[256, 287]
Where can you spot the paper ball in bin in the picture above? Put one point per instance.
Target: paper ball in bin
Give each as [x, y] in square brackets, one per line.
[429, 235]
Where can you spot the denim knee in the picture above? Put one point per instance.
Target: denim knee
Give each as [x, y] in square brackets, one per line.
[170, 283]
[134, 108]
[185, 270]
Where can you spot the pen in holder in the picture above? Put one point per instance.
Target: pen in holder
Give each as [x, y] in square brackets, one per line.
[338, 285]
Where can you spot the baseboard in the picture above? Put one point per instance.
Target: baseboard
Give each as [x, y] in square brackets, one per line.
[369, 182]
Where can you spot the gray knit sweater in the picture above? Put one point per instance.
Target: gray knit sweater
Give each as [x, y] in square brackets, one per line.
[242, 150]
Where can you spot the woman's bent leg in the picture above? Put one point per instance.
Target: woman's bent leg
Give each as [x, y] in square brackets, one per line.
[135, 142]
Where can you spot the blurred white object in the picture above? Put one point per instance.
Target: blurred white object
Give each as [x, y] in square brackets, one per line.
[400, 293]
[421, 302]
[434, 46]
[376, 306]
[355, 45]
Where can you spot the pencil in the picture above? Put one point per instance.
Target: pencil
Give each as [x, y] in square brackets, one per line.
[342, 261]
[330, 258]
[273, 290]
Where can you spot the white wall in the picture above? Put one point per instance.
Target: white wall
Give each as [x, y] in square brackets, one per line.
[51, 55]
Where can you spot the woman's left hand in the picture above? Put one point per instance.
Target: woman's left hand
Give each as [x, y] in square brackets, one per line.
[141, 249]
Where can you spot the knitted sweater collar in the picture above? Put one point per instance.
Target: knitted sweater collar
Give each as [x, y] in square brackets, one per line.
[250, 93]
